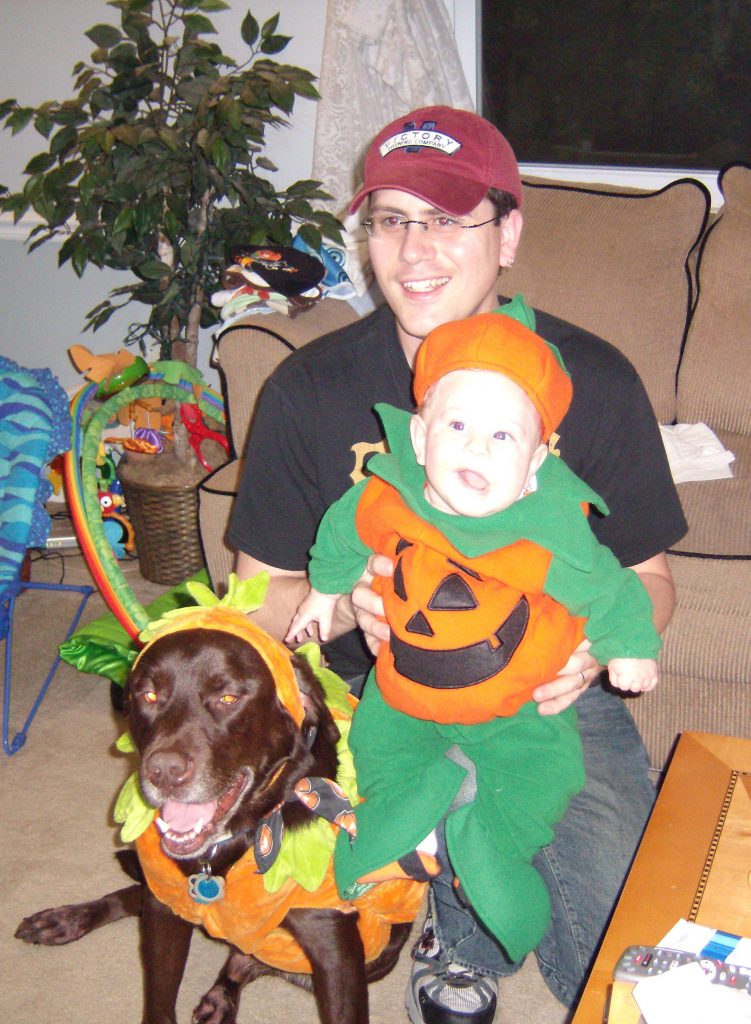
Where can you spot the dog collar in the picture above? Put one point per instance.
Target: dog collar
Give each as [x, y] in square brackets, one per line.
[320, 795]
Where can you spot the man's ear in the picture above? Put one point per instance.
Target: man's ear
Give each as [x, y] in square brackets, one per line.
[511, 229]
[417, 431]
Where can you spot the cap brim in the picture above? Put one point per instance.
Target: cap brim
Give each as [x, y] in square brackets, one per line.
[448, 192]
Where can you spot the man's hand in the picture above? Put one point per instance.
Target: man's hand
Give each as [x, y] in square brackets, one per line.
[368, 605]
[576, 676]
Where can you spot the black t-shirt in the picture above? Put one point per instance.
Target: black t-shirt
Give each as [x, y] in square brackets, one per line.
[315, 424]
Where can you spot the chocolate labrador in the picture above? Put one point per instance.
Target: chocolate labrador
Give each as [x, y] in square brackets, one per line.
[218, 752]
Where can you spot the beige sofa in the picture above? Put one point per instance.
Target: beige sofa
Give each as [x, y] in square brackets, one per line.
[669, 283]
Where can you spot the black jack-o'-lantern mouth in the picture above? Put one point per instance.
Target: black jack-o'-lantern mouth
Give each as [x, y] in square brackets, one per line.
[456, 667]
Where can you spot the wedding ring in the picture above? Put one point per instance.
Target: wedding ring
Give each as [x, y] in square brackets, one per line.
[583, 678]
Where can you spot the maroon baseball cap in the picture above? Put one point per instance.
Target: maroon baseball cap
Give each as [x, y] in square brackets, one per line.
[448, 157]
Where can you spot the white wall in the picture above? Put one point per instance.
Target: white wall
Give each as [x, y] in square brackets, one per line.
[43, 308]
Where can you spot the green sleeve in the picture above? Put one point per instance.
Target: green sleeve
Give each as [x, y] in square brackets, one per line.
[338, 557]
[614, 601]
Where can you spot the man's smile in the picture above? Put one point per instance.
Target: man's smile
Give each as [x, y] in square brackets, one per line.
[425, 286]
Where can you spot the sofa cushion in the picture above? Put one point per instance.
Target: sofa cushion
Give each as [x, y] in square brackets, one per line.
[621, 269]
[713, 383]
[718, 512]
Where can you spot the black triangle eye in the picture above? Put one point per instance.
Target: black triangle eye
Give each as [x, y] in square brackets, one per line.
[464, 569]
[419, 624]
[399, 588]
[402, 545]
[452, 595]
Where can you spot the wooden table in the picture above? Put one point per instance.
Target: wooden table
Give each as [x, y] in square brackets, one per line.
[694, 862]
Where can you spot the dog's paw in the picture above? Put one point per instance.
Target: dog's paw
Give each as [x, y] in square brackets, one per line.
[216, 1007]
[56, 926]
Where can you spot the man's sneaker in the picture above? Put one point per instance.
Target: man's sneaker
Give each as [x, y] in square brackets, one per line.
[440, 992]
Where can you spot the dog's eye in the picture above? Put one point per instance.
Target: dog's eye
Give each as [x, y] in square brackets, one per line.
[228, 698]
[149, 697]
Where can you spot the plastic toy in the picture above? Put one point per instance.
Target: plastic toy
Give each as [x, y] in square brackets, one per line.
[80, 469]
[198, 432]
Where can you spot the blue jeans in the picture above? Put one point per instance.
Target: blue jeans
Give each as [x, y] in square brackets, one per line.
[585, 865]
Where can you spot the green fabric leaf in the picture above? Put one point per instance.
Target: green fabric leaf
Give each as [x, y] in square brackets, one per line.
[103, 646]
[334, 688]
[303, 856]
[132, 811]
[125, 744]
[98, 657]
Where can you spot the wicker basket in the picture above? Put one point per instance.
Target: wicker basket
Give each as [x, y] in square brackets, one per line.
[165, 523]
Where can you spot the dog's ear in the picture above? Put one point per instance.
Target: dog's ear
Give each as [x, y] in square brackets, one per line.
[317, 715]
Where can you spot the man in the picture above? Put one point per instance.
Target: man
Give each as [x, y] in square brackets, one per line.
[443, 193]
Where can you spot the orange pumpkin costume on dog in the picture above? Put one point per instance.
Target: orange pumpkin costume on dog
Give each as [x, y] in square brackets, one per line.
[248, 915]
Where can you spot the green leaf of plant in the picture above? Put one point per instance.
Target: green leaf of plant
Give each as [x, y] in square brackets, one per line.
[220, 155]
[43, 125]
[269, 27]
[199, 24]
[63, 140]
[307, 90]
[153, 270]
[39, 163]
[127, 134]
[311, 235]
[249, 29]
[18, 120]
[171, 225]
[188, 251]
[123, 220]
[212, 5]
[80, 258]
[193, 91]
[104, 36]
[170, 138]
[6, 106]
[274, 44]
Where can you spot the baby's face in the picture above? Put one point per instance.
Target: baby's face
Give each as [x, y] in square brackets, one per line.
[479, 441]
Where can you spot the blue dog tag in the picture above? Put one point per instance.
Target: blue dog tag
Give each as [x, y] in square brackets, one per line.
[205, 887]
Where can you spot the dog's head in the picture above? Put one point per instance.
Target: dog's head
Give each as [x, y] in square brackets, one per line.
[219, 748]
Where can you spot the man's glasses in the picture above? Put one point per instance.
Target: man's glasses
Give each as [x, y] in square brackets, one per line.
[437, 225]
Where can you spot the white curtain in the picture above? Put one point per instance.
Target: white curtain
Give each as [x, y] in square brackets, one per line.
[381, 58]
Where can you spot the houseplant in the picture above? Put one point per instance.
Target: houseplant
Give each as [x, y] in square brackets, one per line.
[156, 167]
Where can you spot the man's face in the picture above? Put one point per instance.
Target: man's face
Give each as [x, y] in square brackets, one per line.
[427, 281]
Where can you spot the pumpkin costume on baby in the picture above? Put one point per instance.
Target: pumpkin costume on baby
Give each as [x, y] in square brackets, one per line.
[481, 611]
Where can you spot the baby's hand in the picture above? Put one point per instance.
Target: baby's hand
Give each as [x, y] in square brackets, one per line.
[635, 674]
[315, 609]
[301, 628]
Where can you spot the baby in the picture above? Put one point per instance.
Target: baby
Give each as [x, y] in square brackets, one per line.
[497, 579]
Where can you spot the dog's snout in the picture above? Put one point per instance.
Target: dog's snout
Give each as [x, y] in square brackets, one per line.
[168, 768]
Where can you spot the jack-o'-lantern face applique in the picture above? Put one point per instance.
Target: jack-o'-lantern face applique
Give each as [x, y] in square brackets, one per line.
[441, 633]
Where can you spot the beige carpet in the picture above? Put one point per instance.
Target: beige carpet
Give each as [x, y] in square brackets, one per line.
[57, 846]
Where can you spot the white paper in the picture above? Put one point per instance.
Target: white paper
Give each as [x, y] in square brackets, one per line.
[695, 453]
[686, 996]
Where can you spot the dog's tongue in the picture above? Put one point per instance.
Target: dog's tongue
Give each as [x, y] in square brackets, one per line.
[184, 817]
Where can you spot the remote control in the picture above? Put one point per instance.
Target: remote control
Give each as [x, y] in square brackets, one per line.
[639, 962]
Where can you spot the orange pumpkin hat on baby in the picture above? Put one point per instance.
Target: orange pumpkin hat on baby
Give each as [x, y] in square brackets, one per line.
[490, 341]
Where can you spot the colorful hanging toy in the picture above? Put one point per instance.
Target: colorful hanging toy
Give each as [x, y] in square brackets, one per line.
[80, 466]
